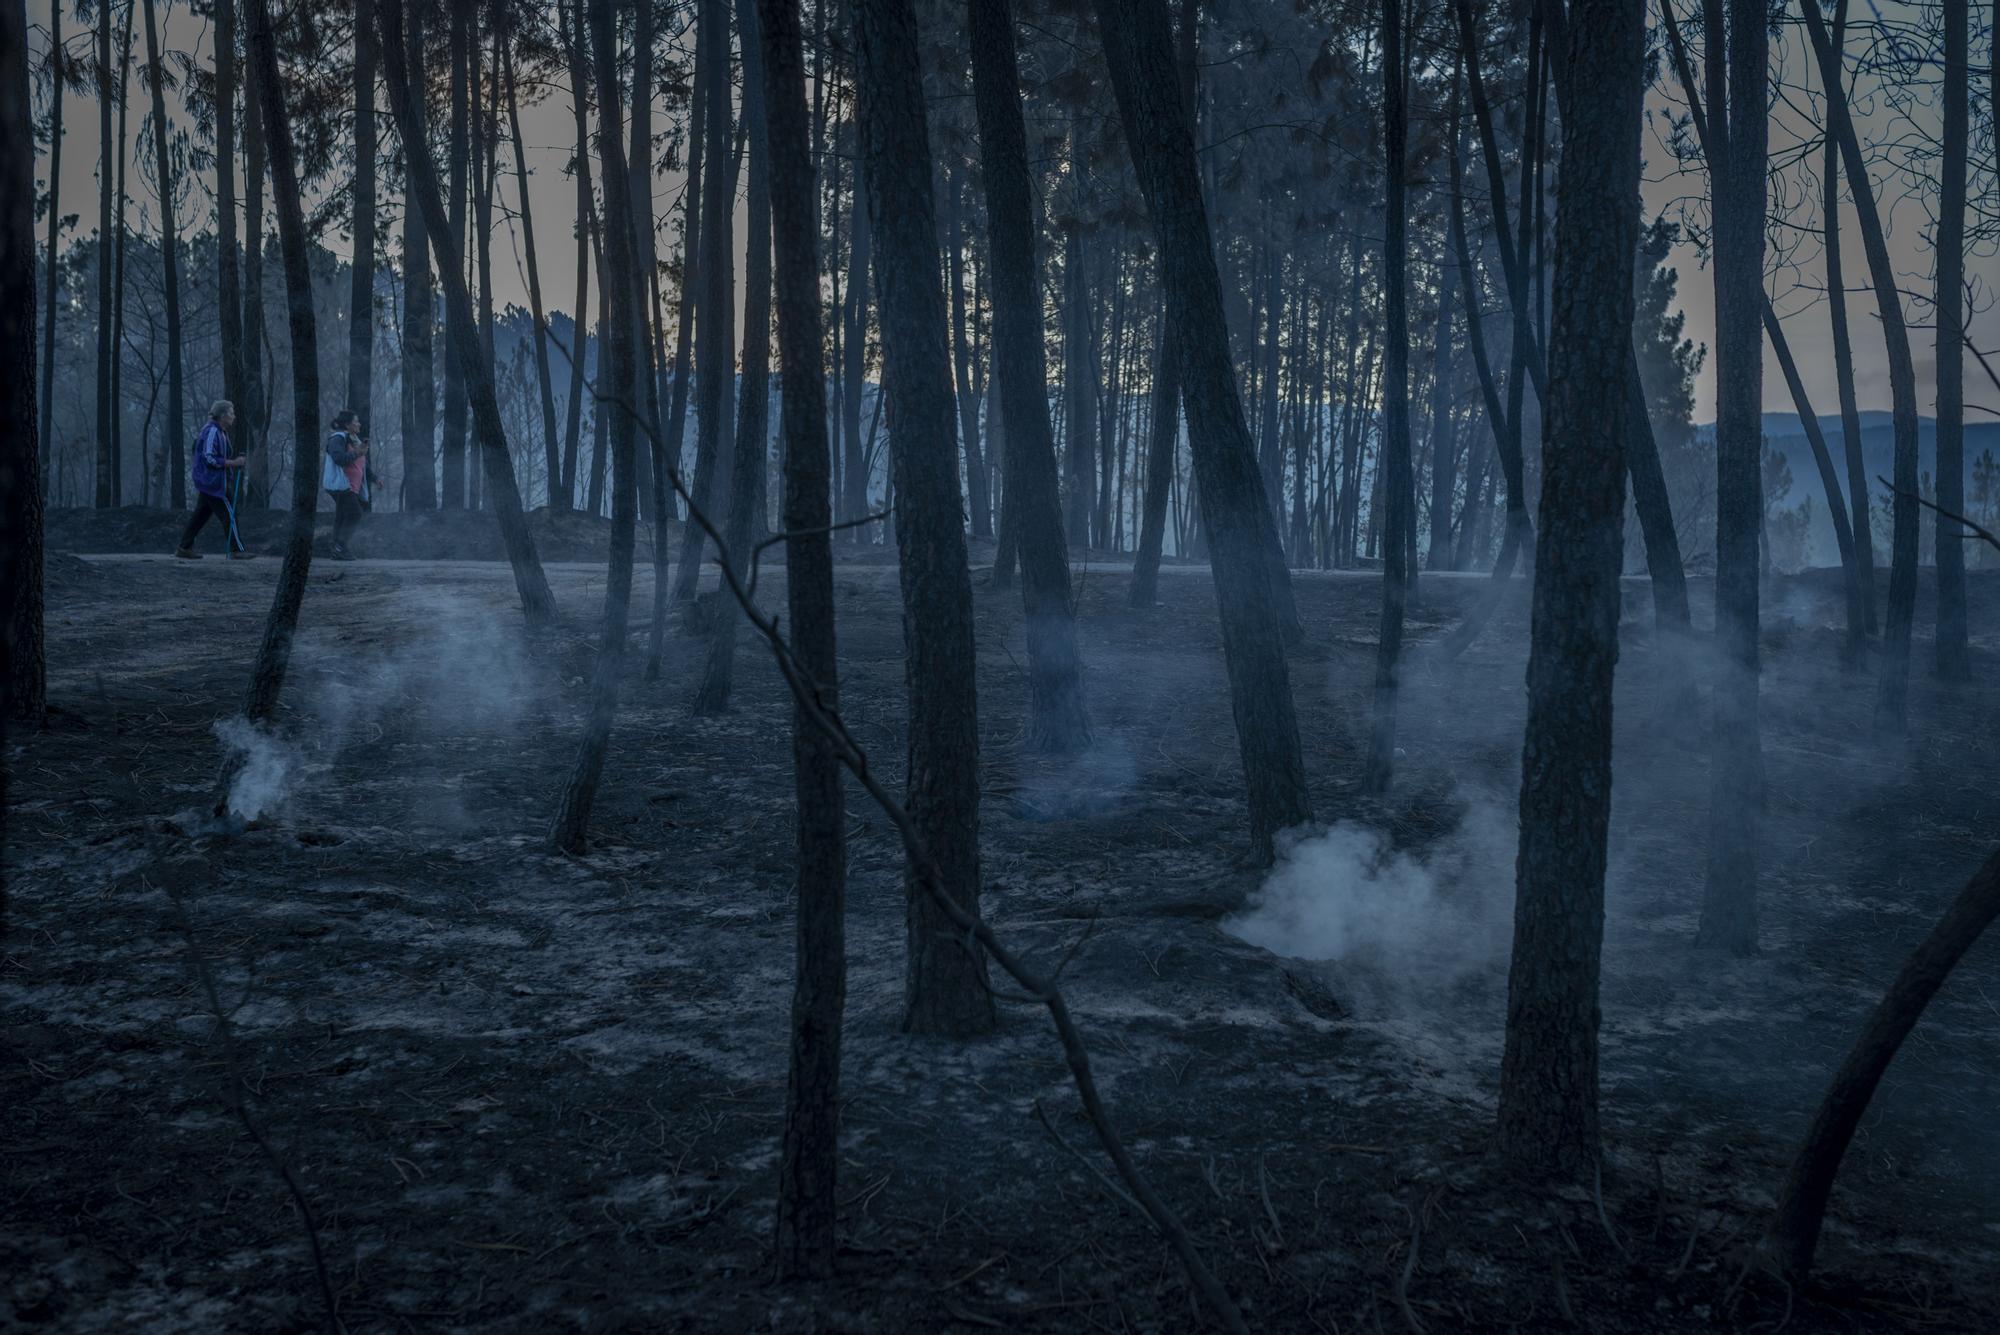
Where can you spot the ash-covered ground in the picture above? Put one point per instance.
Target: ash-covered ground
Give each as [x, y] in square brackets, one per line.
[528, 1092]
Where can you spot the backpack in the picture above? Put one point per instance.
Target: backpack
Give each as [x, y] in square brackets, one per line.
[331, 476]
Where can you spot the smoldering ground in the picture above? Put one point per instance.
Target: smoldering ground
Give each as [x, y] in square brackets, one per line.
[528, 1091]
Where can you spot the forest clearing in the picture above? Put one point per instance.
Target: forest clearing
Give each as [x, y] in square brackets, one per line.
[528, 1091]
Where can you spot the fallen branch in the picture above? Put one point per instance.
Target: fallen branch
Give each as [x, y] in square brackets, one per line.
[826, 720]
[234, 1062]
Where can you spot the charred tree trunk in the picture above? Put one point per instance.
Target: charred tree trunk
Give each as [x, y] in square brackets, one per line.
[45, 439]
[267, 678]
[452, 229]
[945, 990]
[572, 822]
[673, 447]
[1793, 1236]
[420, 470]
[106, 169]
[1892, 695]
[170, 261]
[714, 362]
[1240, 528]
[537, 602]
[1843, 364]
[753, 427]
[1079, 395]
[23, 676]
[1548, 1073]
[361, 294]
[808, 1158]
[1737, 134]
[564, 497]
[552, 443]
[968, 399]
[1953, 651]
[1399, 481]
[1058, 717]
[228, 275]
[1444, 464]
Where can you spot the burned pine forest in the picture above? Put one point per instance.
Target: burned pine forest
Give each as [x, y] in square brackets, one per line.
[956, 665]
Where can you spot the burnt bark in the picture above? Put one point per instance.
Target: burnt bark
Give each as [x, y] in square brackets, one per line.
[1399, 483]
[564, 497]
[1548, 1075]
[552, 446]
[451, 254]
[1240, 528]
[1953, 651]
[44, 437]
[570, 830]
[1843, 364]
[419, 392]
[361, 291]
[945, 989]
[808, 1156]
[267, 677]
[170, 259]
[753, 428]
[107, 460]
[968, 398]
[1737, 136]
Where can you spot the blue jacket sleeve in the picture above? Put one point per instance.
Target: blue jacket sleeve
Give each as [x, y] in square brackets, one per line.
[336, 449]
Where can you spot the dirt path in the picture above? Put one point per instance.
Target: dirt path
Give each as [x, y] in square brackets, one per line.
[528, 1092]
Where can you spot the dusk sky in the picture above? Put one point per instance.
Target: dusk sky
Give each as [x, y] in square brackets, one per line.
[1796, 287]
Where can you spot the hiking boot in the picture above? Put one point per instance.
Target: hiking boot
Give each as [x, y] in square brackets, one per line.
[243, 556]
[187, 554]
[340, 553]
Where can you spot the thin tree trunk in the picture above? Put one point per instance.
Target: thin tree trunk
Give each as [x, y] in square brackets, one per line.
[1548, 1075]
[267, 678]
[1080, 410]
[1793, 1236]
[674, 446]
[45, 438]
[537, 602]
[715, 324]
[553, 443]
[853, 377]
[968, 397]
[169, 255]
[1444, 466]
[420, 485]
[1843, 362]
[808, 1161]
[753, 399]
[1737, 137]
[1953, 651]
[945, 988]
[458, 160]
[572, 823]
[361, 294]
[254, 409]
[1058, 715]
[1892, 695]
[573, 51]
[106, 459]
[1160, 137]
[118, 266]
[1398, 484]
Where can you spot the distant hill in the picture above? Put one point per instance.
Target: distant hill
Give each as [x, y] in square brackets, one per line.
[1785, 433]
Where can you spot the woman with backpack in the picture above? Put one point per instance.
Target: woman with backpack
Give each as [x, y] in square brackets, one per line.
[346, 477]
[210, 469]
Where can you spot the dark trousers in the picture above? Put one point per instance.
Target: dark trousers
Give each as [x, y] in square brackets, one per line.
[346, 516]
[205, 507]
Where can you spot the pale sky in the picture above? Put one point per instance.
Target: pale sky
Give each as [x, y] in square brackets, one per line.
[548, 129]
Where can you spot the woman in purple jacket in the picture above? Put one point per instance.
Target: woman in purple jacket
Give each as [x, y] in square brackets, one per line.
[210, 470]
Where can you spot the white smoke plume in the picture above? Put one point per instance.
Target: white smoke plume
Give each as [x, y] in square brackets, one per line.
[268, 772]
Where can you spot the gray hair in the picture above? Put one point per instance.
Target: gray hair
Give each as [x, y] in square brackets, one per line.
[221, 408]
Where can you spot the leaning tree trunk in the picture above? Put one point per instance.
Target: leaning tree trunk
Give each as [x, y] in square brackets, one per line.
[1548, 1073]
[809, 1156]
[1400, 501]
[23, 678]
[1843, 368]
[1058, 716]
[170, 262]
[1240, 528]
[537, 602]
[361, 292]
[1795, 1226]
[1892, 694]
[552, 445]
[945, 989]
[1953, 651]
[267, 678]
[572, 820]
[754, 397]
[1738, 160]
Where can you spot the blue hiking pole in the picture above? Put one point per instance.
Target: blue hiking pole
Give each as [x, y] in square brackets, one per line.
[229, 504]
